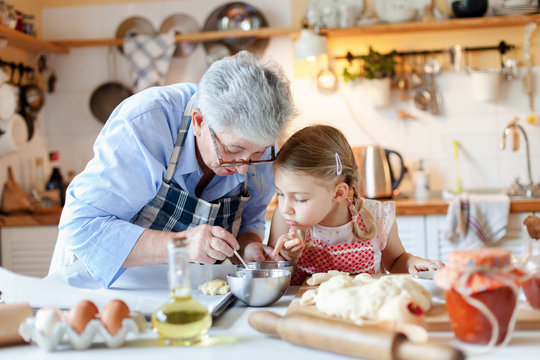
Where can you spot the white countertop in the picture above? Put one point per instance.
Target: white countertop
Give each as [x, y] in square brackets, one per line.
[230, 337]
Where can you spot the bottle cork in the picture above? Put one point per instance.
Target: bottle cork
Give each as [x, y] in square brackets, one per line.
[11, 316]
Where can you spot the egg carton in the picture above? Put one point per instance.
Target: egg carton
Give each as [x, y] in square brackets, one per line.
[62, 333]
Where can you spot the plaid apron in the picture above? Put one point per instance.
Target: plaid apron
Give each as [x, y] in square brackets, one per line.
[174, 209]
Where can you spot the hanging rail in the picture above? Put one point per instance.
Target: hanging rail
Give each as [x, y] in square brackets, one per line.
[503, 47]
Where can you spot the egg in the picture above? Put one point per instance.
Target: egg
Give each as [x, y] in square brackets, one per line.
[47, 318]
[112, 315]
[81, 314]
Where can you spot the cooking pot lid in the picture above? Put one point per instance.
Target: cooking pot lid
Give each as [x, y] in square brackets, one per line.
[134, 26]
[106, 98]
[180, 24]
[234, 16]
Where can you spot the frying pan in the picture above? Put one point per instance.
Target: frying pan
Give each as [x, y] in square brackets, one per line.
[106, 98]
[236, 15]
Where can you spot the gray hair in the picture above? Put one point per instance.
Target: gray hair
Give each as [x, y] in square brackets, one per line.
[253, 99]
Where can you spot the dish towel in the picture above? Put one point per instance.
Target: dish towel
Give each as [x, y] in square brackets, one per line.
[149, 57]
[475, 221]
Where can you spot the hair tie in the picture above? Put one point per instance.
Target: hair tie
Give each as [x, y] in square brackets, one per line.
[339, 168]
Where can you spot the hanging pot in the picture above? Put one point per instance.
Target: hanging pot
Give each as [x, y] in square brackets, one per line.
[181, 24]
[30, 94]
[106, 98]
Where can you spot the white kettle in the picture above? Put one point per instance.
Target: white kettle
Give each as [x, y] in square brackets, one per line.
[377, 180]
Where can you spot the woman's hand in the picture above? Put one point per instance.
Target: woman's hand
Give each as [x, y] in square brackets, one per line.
[420, 264]
[289, 246]
[208, 243]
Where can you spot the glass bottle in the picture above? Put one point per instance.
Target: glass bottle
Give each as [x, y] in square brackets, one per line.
[56, 181]
[3, 12]
[531, 287]
[29, 25]
[181, 320]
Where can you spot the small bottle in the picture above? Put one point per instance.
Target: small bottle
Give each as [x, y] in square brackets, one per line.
[29, 25]
[421, 182]
[19, 25]
[39, 179]
[181, 320]
[3, 12]
[56, 181]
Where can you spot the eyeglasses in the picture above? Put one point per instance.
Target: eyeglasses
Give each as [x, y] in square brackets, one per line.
[238, 162]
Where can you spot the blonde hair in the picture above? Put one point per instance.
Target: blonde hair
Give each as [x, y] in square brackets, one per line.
[312, 151]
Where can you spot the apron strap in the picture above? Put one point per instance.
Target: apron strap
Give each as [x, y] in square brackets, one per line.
[180, 139]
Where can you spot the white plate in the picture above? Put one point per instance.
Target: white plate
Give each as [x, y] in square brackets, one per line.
[425, 278]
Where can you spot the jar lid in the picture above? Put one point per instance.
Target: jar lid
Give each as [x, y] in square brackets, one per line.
[476, 270]
[489, 257]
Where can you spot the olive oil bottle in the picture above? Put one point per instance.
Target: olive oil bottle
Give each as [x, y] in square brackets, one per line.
[181, 320]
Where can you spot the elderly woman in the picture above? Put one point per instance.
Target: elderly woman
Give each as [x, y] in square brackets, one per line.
[179, 160]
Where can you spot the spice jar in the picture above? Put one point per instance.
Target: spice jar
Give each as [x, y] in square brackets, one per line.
[481, 288]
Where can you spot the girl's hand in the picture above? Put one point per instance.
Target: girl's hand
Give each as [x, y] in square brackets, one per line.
[424, 265]
[289, 246]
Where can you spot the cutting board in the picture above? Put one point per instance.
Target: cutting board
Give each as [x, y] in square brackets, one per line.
[436, 319]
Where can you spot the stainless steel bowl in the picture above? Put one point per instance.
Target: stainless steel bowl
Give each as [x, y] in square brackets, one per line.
[259, 287]
[425, 278]
[285, 265]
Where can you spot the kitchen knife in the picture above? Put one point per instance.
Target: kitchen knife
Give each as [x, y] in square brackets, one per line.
[366, 342]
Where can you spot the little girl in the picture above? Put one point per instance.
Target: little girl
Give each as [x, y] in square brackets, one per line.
[322, 223]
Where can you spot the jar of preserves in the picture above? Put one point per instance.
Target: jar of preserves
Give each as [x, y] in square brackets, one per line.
[481, 291]
[531, 262]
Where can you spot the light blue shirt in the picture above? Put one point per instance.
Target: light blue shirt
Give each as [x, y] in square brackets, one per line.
[131, 155]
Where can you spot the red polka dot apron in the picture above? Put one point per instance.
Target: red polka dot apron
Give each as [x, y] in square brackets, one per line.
[318, 256]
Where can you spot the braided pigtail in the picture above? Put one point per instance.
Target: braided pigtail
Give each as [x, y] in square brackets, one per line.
[369, 229]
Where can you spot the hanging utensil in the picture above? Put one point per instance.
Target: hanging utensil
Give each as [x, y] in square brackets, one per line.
[106, 97]
[528, 77]
[133, 26]
[181, 24]
[432, 68]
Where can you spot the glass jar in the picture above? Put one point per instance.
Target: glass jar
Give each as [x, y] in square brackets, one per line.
[181, 320]
[29, 26]
[481, 290]
[3, 12]
[531, 287]
[11, 21]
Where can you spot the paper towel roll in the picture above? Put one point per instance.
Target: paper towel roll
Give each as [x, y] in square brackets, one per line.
[14, 134]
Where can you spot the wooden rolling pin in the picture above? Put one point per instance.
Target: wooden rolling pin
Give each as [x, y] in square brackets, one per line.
[344, 338]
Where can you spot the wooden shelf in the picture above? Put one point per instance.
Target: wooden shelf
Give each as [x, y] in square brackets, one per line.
[261, 33]
[24, 41]
[421, 26]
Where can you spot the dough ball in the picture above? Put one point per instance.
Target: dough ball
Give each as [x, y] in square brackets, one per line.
[214, 287]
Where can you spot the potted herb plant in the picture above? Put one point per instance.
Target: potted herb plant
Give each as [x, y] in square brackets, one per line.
[377, 69]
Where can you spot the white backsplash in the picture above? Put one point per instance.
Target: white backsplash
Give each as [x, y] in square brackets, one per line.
[69, 126]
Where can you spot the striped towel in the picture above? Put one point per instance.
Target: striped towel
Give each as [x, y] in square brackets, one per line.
[149, 57]
[475, 221]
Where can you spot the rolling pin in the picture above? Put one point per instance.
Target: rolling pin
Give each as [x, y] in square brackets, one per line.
[366, 342]
[11, 316]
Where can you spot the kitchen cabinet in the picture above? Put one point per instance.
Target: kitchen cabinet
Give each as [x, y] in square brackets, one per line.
[27, 250]
[425, 235]
[26, 42]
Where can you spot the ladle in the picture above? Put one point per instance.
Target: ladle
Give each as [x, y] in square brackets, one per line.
[432, 68]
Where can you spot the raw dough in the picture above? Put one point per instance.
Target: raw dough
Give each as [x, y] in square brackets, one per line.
[214, 287]
[366, 298]
[319, 278]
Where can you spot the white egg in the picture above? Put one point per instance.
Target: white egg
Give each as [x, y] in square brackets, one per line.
[46, 319]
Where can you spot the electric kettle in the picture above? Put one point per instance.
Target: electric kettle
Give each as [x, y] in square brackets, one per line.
[377, 179]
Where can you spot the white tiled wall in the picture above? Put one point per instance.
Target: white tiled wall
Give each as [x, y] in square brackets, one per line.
[71, 129]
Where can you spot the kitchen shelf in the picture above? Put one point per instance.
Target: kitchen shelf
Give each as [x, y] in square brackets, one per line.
[261, 33]
[421, 26]
[24, 41]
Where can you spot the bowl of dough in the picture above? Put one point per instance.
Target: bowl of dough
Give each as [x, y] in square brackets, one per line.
[259, 287]
[425, 278]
